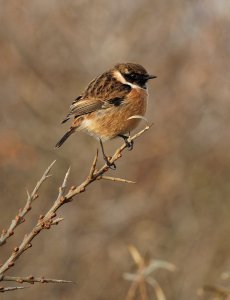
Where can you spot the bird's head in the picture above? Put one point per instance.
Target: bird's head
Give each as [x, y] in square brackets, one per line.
[133, 73]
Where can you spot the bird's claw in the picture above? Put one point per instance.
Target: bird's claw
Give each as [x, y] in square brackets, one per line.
[129, 144]
[128, 141]
[110, 165]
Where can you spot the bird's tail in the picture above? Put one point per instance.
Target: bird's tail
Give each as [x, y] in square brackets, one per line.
[65, 137]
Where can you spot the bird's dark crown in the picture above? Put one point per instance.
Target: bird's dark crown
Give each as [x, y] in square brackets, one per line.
[134, 73]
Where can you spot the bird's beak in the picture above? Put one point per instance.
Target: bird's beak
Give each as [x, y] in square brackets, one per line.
[151, 77]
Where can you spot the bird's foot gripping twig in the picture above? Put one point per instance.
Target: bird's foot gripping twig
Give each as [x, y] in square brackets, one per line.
[128, 142]
[110, 165]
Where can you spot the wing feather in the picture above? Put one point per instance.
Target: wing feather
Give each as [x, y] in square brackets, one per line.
[103, 92]
[86, 106]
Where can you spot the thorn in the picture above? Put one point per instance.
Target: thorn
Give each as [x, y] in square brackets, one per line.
[115, 179]
[12, 288]
[28, 195]
[48, 176]
[93, 167]
[56, 221]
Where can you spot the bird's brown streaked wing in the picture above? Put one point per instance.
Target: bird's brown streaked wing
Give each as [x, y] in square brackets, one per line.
[83, 107]
[103, 92]
[71, 108]
[76, 100]
[83, 97]
[86, 106]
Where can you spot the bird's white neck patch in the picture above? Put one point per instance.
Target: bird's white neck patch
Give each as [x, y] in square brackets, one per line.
[117, 74]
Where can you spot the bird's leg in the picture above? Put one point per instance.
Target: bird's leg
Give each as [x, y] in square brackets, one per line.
[108, 163]
[128, 142]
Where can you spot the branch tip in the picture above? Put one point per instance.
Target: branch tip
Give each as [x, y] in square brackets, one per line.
[115, 179]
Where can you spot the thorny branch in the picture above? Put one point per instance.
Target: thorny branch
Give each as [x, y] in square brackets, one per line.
[31, 279]
[20, 217]
[50, 218]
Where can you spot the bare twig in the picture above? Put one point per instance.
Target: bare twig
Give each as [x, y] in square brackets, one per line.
[44, 222]
[31, 279]
[49, 219]
[93, 168]
[57, 221]
[63, 186]
[22, 212]
[142, 276]
[131, 294]
[11, 288]
[157, 288]
[115, 179]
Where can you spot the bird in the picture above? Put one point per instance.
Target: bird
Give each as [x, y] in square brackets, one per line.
[111, 105]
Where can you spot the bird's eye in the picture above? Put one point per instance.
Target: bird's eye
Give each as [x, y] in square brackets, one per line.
[131, 77]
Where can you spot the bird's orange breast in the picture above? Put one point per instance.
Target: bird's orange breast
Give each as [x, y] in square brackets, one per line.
[108, 123]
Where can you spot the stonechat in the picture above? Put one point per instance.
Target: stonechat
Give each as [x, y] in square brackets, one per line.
[109, 106]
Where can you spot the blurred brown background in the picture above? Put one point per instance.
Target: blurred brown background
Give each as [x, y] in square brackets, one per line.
[179, 209]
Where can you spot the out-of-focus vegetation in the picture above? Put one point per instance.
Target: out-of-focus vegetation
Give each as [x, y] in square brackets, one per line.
[179, 209]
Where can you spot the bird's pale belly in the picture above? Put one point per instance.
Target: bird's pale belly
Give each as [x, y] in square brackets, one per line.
[107, 124]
